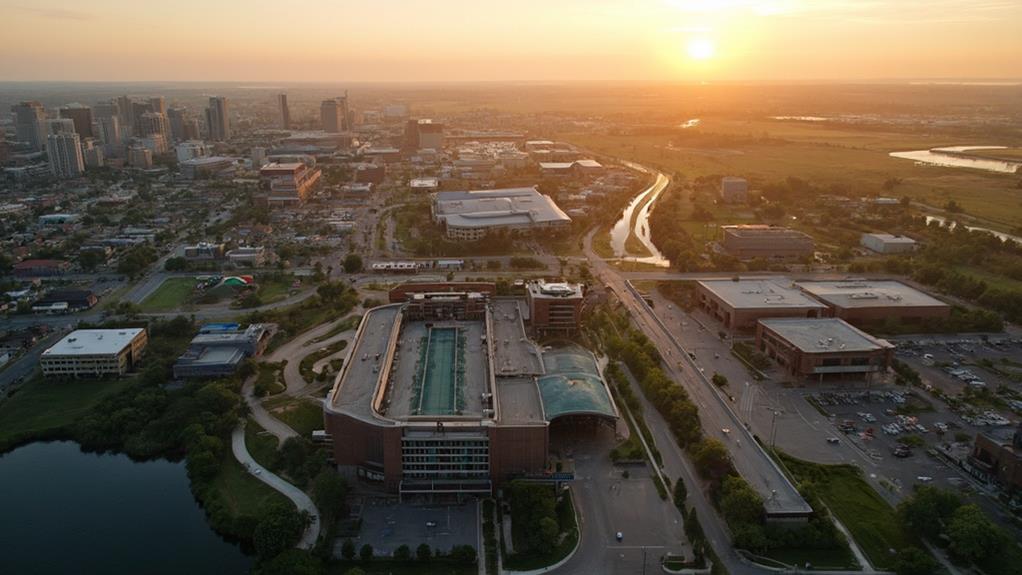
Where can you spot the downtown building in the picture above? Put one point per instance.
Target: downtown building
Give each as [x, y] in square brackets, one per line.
[64, 151]
[218, 123]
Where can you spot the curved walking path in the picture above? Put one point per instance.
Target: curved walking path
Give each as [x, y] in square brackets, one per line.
[278, 428]
[297, 496]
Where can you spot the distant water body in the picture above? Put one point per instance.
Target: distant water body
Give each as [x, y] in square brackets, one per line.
[950, 157]
[66, 511]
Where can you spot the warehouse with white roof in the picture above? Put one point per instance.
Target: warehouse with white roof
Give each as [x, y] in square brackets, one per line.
[472, 215]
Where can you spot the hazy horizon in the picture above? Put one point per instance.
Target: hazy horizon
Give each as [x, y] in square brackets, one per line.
[400, 41]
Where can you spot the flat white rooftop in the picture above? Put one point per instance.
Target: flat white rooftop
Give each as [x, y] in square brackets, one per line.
[93, 342]
[824, 335]
[761, 293]
[485, 208]
[869, 294]
[892, 239]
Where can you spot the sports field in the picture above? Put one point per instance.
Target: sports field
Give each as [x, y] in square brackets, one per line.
[438, 395]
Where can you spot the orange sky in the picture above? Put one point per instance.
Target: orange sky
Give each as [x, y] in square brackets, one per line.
[454, 40]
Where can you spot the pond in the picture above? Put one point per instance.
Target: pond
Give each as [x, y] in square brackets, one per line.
[66, 511]
[956, 157]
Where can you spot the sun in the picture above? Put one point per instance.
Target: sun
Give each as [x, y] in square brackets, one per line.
[701, 49]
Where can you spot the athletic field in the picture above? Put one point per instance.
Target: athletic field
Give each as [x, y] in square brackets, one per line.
[439, 374]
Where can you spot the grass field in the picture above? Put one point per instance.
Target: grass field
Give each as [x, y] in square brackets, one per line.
[302, 415]
[43, 408]
[261, 444]
[274, 288]
[823, 154]
[171, 295]
[243, 494]
[872, 522]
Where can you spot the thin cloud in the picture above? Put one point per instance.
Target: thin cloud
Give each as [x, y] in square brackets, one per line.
[55, 13]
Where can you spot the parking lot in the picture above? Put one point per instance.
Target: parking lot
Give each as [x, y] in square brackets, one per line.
[387, 524]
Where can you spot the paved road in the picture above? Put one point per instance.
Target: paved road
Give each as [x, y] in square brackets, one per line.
[297, 496]
[23, 367]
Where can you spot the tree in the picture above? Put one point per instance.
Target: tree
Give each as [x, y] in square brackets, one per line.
[175, 264]
[366, 552]
[348, 549]
[423, 552]
[352, 263]
[719, 380]
[278, 530]
[973, 536]
[202, 466]
[547, 534]
[292, 562]
[914, 561]
[739, 503]
[711, 459]
[329, 491]
[355, 571]
[403, 553]
[463, 554]
[928, 509]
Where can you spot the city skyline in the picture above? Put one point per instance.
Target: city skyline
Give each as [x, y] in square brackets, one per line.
[650, 40]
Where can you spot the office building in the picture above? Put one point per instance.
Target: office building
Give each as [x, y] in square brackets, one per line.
[218, 122]
[153, 124]
[254, 256]
[864, 302]
[94, 353]
[125, 112]
[333, 114]
[140, 157]
[472, 215]
[758, 241]
[823, 346]
[997, 457]
[60, 126]
[554, 307]
[734, 190]
[176, 118]
[219, 349]
[191, 150]
[110, 134]
[888, 243]
[204, 251]
[5, 151]
[158, 105]
[106, 109]
[285, 112]
[446, 394]
[137, 109]
[740, 303]
[81, 116]
[208, 166]
[423, 134]
[64, 152]
[289, 184]
[29, 124]
[92, 153]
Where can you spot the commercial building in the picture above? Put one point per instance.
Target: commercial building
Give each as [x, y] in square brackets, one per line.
[554, 307]
[64, 152]
[82, 118]
[30, 124]
[197, 168]
[289, 184]
[285, 112]
[204, 251]
[424, 134]
[93, 154]
[734, 190]
[446, 394]
[863, 302]
[154, 124]
[94, 352]
[424, 184]
[139, 157]
[402, 292]
[472, 215]
[179, 125]
[192, 149]
[218, 122]
[997, 455]
[758, 241]
[251, 256]
[888, 243]
[219, 349]
[740, 303]
[819, 347]
[40, 268]
[65, 301]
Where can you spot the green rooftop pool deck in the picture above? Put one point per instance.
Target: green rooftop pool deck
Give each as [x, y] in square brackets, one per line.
[442, 369]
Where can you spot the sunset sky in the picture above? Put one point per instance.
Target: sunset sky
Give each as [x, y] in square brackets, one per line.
[543, 40]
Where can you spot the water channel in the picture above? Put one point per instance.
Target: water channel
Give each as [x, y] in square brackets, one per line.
[624, 226]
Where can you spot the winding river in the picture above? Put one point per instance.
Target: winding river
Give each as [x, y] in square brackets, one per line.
[624, 226]
[67, 511]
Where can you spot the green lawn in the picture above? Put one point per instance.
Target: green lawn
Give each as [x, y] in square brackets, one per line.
[261, 444]
[242, 493]
[872, 522]
[44, 408]
[171, 295]
[302, 415]
[836, 559]
[274, 288]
